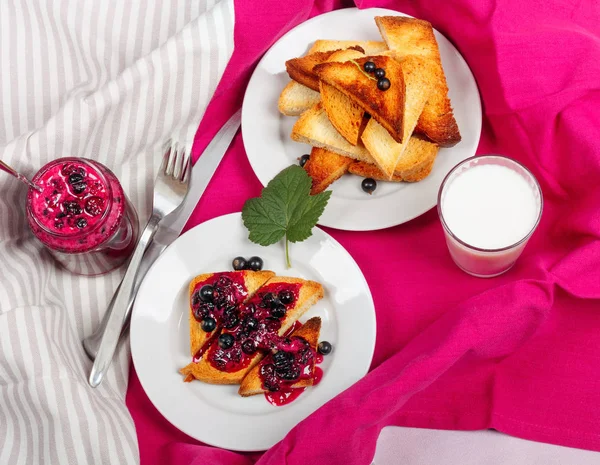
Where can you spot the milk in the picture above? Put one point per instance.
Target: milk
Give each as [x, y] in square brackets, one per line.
[492, 204]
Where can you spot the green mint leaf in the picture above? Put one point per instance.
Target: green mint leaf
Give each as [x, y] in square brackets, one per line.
[284, 209]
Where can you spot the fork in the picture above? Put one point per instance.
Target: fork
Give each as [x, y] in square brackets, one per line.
[170, 189]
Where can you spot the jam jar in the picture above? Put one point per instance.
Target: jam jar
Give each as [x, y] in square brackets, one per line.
[82, 216]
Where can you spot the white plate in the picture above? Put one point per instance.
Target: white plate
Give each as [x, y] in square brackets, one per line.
[217, 415]
[266, 132]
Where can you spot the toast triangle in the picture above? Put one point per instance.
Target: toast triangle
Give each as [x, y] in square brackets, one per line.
[301, 69]
[251, 281]
[350, 78]
[252, 383]
[370, 47]
[314, 128]
[296, 98]
[409, 36]
[414, 165]
[325, 167]
[385, 149]
[345, 115]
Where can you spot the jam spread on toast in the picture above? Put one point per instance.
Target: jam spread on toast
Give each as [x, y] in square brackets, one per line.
[293, 362]
[237, 331]
[293, 328]
[228, 291]
[255, 327]
[198, 355]
[287, 395]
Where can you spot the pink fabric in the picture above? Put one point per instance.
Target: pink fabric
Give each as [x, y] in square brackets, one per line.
[518, 353]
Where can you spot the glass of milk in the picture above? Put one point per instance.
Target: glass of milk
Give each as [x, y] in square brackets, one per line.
[489, 207]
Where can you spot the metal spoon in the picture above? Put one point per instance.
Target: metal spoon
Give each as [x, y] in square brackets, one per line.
[19, 176]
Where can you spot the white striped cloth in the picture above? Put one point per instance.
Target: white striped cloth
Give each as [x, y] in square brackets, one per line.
[110, 80]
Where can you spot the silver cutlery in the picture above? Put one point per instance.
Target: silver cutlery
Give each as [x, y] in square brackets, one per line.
[170, 228]
[170, 189]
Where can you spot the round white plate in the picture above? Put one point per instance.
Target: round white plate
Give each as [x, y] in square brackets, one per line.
[217, 415]
[270, 149]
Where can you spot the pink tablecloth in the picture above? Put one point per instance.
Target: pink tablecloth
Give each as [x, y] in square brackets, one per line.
[519, 353]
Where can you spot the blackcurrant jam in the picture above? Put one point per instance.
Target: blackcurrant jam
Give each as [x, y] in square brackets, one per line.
[82, 216]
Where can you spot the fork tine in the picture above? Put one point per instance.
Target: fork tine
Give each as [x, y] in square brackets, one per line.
[183, 163]
[185, 176]
[177, 164]
[172, 159]
[165, 161]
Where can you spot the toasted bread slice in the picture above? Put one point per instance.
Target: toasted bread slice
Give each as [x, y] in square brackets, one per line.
[345, 55]
[383, 147]
[410, 36]
[384, 106]
[370, 47]
[308, 292]
[252, 384]
[250, 281]
[314, 128]
[301, 69]
[296, 98]
[325, 167]
[345, 115]
[414, 165]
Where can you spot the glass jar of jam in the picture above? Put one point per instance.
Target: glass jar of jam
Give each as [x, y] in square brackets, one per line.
[82, 216]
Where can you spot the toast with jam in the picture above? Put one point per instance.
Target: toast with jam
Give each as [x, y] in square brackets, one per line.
[213, 300]
[291, 366]
[261, 323]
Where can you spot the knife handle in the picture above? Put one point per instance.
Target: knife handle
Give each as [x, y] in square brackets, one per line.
[92, 343]
[121, 305]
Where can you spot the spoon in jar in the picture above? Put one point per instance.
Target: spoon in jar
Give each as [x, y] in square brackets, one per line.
[19, 176]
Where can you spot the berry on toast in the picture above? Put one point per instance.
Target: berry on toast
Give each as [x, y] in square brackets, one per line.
[263, 321]
[291, 367]
[214, 301]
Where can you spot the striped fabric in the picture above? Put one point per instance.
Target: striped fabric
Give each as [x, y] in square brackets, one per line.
[109, 80]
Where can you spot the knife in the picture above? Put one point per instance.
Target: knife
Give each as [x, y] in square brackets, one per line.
[171, 227]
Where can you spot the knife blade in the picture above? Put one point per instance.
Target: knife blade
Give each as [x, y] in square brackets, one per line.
[171, 227]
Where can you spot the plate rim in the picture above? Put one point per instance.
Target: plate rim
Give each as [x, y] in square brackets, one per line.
[358, 226]
[368, 347]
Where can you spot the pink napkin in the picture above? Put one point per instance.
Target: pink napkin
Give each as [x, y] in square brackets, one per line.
[518, 353]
